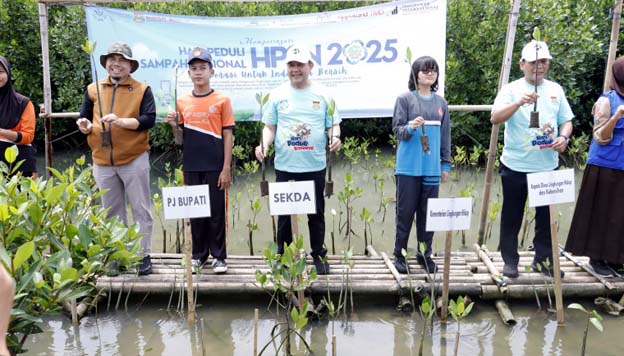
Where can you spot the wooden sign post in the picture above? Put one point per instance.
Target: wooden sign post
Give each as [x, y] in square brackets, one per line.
[189, 201]
[550, 188]
[448, 214]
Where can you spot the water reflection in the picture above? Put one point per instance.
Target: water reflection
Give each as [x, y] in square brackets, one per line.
[377, 330]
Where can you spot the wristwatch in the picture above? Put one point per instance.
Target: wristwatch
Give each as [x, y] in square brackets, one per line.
[566, 138]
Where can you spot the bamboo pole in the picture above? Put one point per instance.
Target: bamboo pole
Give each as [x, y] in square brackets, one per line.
[47, 86]
[188, 251]
[615, 32]
[255, 334]
[505, 313]
[334, 353]
[445, 280]
[494, 273]
[556, 269]
[504, 78]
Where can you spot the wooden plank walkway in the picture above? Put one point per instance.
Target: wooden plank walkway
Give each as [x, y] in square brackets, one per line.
[370, 275]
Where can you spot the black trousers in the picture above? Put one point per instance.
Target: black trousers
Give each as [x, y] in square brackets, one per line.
[515, 194]
[209, 233]
[316, 222]
[411, 196]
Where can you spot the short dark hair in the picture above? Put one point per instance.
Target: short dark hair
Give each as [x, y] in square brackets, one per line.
[423, 63]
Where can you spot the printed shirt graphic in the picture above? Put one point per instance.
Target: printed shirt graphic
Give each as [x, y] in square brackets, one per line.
[204, 119]
[530, 149]
[302, 122]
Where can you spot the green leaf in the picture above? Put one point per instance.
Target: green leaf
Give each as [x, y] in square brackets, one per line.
[4, 212]
[54, 193]
[10, 154]
[596, 323]
[22, 254]
[38, 280]
[577, 306]
[537, 34]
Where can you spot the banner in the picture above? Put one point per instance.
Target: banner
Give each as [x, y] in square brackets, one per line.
[359, 54]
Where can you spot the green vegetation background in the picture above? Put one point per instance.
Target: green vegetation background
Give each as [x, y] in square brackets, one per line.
[577, 32]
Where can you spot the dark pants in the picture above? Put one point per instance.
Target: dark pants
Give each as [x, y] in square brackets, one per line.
[209, 233]
[411, 196]
[316, 222]
[515, 193]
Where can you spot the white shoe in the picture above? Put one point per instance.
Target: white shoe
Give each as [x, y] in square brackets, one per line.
[219, 266]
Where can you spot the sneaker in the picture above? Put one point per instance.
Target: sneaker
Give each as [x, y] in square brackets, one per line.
[427, 263]
[601, 268]
[145, 267]
[219, 266]
[401, 265]
[510, 271]
[321, 267]
[548, 272]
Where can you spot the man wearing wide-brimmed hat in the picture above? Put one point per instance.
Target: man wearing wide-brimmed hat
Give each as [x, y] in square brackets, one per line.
[116, 114]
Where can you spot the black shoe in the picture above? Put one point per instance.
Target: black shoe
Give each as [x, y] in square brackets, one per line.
[601, 268]
[546, 271]
[145, 267]
[427, 263]
[400, 265]
[617, 268]
[510, 271]
[321, 266]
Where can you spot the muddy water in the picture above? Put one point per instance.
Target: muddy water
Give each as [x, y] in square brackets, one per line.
[374, 329]
[379, 330]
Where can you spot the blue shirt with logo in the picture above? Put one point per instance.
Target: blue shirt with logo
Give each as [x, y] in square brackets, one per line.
[301, 118]
[530, 149]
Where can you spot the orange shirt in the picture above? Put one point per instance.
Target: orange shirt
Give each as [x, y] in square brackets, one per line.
[26, 125]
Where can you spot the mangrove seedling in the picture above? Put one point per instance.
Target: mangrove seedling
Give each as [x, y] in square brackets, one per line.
[333, 232]
[250, 168]
[527, 269]
[406, 256]
[367, 219]
[89, 47]
[534, 121]
[540, 269]
[347, 260]
[459, 311]
[329, 185]
[422, 248]
[262, 99]
[236, 208]
[426, 310]
[347, 197]
[288, 278]
[424, 139]
[592, 317]
[466, 193]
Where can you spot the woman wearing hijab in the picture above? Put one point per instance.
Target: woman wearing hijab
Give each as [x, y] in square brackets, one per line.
[17, 122]
[597, 228]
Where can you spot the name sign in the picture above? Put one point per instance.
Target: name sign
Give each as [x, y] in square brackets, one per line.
[291, 198]
[548, 188]
[448, 214]
[189, 201]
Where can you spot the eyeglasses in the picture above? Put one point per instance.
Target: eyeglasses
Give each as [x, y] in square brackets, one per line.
[429, 71]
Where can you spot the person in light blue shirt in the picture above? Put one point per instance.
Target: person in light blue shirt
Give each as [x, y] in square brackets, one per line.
[529, 147]
[422, 126]
[299, 121]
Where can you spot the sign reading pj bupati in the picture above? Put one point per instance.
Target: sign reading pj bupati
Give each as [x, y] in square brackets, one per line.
[359, 54]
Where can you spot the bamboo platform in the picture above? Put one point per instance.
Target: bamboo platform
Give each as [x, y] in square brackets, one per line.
[372, 275]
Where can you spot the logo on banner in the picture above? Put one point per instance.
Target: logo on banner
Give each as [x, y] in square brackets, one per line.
[355, 52]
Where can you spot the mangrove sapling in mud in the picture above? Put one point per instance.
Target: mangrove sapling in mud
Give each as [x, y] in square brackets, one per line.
[540, 268]
[467, 192]
[427, 310]
[527, 222]
[534, 120]
[347, 197]
[250, 168]
[347, 261]
[173, 178]
[288, 277]
[527, 269]
[592, 317]
[236, 208]
[54, 241]
[495, 208]
[367, 219]
[422, 248]
[459, 311]
[333, 232]
[406, 256]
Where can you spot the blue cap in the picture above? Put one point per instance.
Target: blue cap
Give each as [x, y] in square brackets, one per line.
[201, 54]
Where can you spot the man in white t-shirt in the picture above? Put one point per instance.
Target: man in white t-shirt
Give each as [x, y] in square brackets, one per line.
[296, 119]
[529, 148]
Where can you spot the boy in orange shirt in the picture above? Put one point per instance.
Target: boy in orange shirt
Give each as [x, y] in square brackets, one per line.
[207, 121]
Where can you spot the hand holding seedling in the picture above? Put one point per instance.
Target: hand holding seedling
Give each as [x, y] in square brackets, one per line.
[260, 153]
[85, 126]
[171, 118]
[419, 121]
[334, 144]
[528, 98]
[126, 123]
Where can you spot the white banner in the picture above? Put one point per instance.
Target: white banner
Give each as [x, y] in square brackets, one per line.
[359, 54]
[291, 198]
[448, 214]
[189, 201]
[548, 188]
